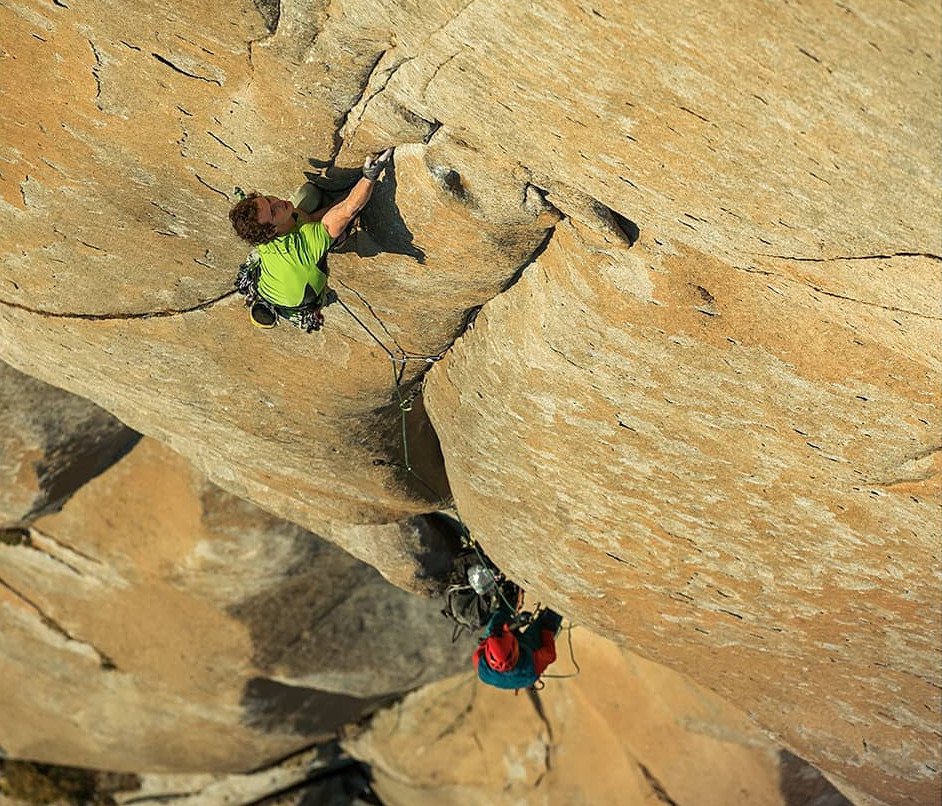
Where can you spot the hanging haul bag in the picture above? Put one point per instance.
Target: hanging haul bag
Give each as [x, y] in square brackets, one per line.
[476, 590]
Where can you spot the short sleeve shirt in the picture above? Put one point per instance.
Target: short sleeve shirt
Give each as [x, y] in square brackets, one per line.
[289, 264]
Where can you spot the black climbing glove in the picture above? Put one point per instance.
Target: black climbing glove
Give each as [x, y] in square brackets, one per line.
[372, 168]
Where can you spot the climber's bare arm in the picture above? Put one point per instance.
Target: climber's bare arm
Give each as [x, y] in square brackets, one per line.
[338, 217]
[307, 218]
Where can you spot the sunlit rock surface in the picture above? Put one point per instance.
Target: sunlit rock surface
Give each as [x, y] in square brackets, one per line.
[619, 730]
[699, 408]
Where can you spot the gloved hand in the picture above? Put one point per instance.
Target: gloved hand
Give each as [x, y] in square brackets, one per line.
[372, 168]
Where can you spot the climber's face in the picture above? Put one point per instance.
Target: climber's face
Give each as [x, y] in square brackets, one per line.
[272, 210]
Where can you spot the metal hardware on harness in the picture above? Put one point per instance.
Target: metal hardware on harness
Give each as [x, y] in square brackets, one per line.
[307, 318]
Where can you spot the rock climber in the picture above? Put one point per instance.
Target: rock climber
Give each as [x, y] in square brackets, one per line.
[507, 658]
[291, 242]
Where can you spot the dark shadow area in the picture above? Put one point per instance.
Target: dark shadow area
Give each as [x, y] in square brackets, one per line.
[349, 785]
[29, 782]
[90, 456]
[628, 227]
[515, 277]
[381, 228]
[335, 182]
[270, 11]
[331, 778]
[439, 543]
[428, 478]
[804, 785]
[278, 708]
[621, 226]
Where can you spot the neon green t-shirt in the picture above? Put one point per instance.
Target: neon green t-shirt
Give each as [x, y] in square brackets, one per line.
[289, 264]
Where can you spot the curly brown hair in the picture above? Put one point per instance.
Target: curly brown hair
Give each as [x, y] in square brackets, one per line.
[244, 218]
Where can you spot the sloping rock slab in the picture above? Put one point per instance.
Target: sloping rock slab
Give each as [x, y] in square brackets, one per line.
[158, 623]
[704, 464]
[51, 443]
[624, 730]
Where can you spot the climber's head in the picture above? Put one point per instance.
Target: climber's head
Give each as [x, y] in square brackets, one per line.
[502, 651]
[257, 219]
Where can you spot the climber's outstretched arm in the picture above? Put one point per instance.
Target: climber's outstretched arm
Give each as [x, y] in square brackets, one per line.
[307, 218]
[338, 217]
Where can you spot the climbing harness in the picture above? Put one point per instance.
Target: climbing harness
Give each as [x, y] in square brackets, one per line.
[265, 314]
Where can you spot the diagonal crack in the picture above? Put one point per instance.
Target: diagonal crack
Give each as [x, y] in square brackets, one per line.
[656, 787]
[913, 477]
[362, 103]
[43, 535]
[180, 70]
[224, 144]
[789, 279]
[537, 704]
[99, 317]
[26, 541]
[204, 183]
[106, 663]
[873, 304]
[338, 134]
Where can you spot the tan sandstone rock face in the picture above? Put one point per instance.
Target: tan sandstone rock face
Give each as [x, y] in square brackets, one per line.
[158, 623]
[770, 344]
[133, 166]
[623, 731]
[51, 443]
[716, 482]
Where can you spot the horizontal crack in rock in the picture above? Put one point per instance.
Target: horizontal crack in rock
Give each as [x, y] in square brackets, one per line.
[97, 317]
[854, 257]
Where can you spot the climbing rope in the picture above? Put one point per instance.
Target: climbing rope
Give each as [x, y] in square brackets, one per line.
[398, 359]
[402, 356]
[572, 657]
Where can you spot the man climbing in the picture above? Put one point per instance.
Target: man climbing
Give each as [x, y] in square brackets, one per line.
[291, 242]
[508, 659]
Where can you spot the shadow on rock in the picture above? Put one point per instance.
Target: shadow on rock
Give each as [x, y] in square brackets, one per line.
[382, 229]
[801, 784]
[278, 708]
